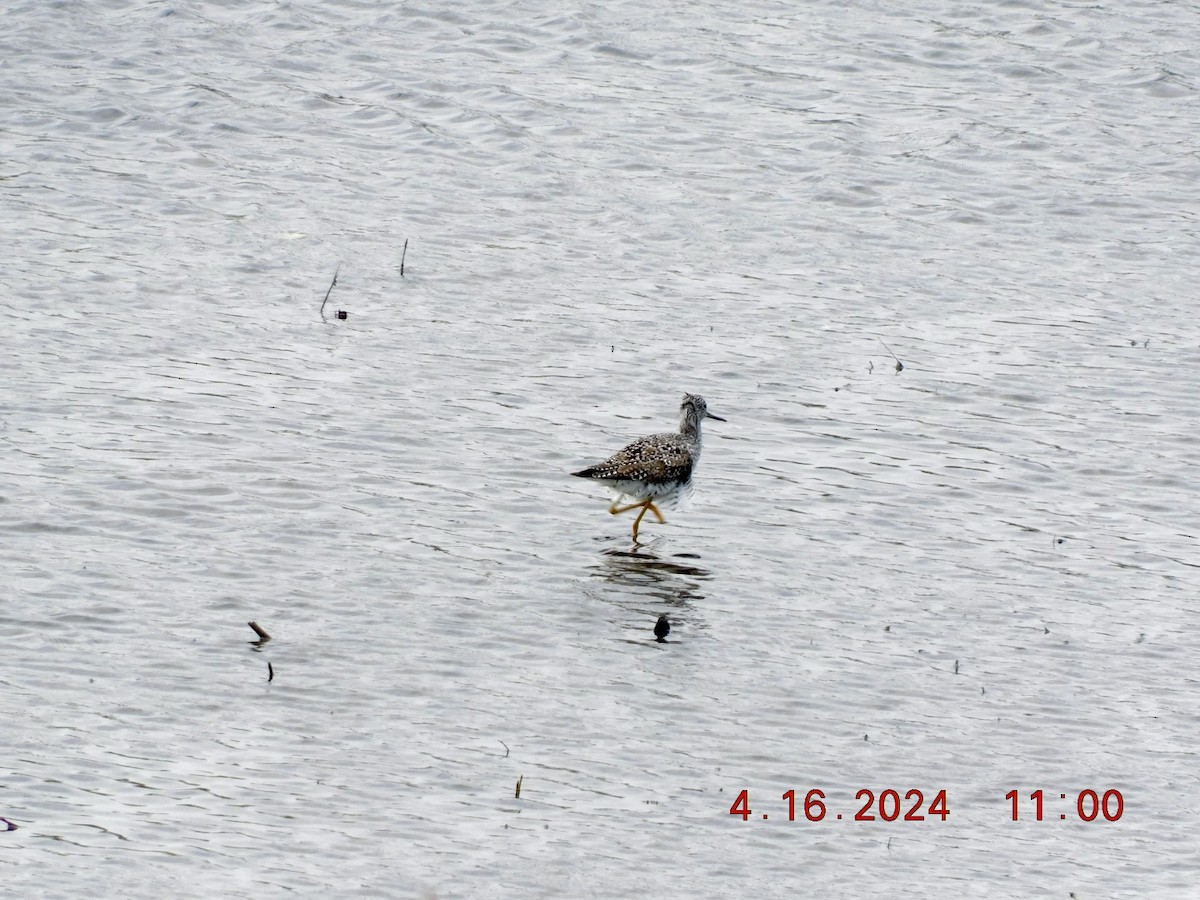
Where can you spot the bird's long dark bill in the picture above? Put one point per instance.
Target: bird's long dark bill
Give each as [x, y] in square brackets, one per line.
[711, 416]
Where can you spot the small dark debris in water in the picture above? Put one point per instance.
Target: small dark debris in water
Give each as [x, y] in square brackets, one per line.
[871, 368]
[956, 667]
[864, 737]
[1140, 638]
[518, 792]
[1045, 630]
[661, 629]
[342, 314]
[887, 627]
[403, 256]
[12, 826]
[505, 746]
[270, 673]
[263, 637]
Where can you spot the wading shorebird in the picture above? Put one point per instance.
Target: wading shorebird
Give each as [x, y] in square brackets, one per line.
[655, 468]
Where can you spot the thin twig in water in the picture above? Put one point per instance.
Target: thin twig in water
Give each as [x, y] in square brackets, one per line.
[505, 746]
[330, 291]
[899, 365]
[518, 793]
[262, 635]
[270, 673]
[402, 256]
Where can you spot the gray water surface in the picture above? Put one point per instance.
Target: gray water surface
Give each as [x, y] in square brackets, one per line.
[977, 574]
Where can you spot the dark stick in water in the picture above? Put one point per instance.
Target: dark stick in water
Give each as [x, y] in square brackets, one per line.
[899, 365]
[330, 291]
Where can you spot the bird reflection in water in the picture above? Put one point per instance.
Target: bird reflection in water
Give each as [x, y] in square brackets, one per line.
[642, 582]
[675, 580]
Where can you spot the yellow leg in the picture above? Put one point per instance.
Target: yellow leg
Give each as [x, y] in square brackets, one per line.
[642, 504]
[638, 521]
